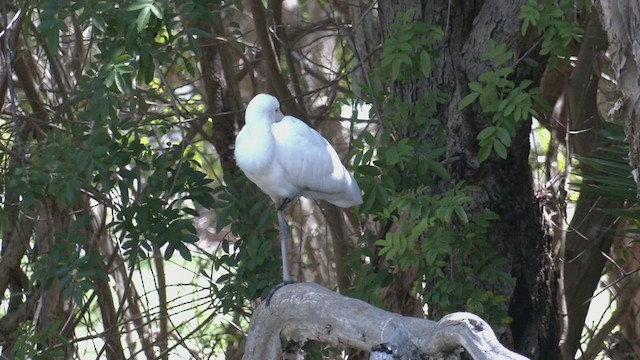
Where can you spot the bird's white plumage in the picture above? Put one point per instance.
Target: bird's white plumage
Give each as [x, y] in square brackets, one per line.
[286, 158]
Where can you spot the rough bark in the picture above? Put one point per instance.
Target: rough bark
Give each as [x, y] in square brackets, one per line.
[621, 22]
[629, 289]
[223, 98]
[506, 183]
[587, 239]
[305, 311]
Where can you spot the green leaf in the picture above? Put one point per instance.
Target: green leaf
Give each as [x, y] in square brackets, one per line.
[139, 4]
[439, 170]
[143, 18]
[500, 149]
[462, 215]
[369, 139]
[369, 199]
[488, 132]
[522, 96]
[122, 59]
[382, 242]
[395, 69]
[99, 23]
[386, 58]
[425, 63]
[519, 114]
[488, 77]
[467, 100]
[509, 109]
[157, 11]
[193, 44]
[484, 152]
[504, 136]
[525, 26]
[405, 47]
[222, 220]
[392, 156]
[502, 105]
[168, 252]
[184, 251]
[368, 170]
[503, 73]
[503, 58]
[475, 86]
[120, 82]
[53, 41]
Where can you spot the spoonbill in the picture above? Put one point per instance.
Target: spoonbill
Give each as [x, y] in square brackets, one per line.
[286, 159]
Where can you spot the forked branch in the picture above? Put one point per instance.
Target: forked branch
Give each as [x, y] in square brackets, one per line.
[306, 311]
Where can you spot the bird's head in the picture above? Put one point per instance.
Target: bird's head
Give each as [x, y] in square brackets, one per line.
[263, 107]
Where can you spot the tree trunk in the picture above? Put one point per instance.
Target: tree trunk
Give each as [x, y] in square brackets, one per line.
[220, 86]
[621, 22]
[587, 239]
[506, 184]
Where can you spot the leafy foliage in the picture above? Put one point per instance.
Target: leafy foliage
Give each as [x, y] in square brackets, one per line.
[408, 50]
[550, 18]
[607, 172]
[120, 155]
[428, 230]
[31, 344]
[75, 272]
[250, 267]
[509, 104]
[109, 159]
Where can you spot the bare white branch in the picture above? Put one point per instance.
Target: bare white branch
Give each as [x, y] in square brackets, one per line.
[307, 311]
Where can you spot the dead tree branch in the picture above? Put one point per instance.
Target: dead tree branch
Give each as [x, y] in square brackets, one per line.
[307, 311]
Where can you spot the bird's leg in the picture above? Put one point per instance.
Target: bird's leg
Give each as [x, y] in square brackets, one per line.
[283, 204]
[284, 245]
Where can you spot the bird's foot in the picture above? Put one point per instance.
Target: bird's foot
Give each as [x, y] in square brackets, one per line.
[275, 288]
[284, 203]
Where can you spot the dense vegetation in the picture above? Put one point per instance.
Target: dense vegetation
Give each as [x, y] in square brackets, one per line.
[127, 230]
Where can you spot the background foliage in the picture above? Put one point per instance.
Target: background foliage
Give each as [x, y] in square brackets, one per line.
[128, 232]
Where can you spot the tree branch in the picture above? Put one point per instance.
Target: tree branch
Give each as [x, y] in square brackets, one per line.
[14, 244]
[306, 311]
[163, 312]
[274, 75]
[623, 303]
[582, 89]
[8, 39]
[591, 231]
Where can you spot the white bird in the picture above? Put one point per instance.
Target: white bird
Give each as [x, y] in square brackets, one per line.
[286, 159]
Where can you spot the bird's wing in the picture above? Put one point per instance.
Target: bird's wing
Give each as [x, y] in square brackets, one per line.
[308, 160]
